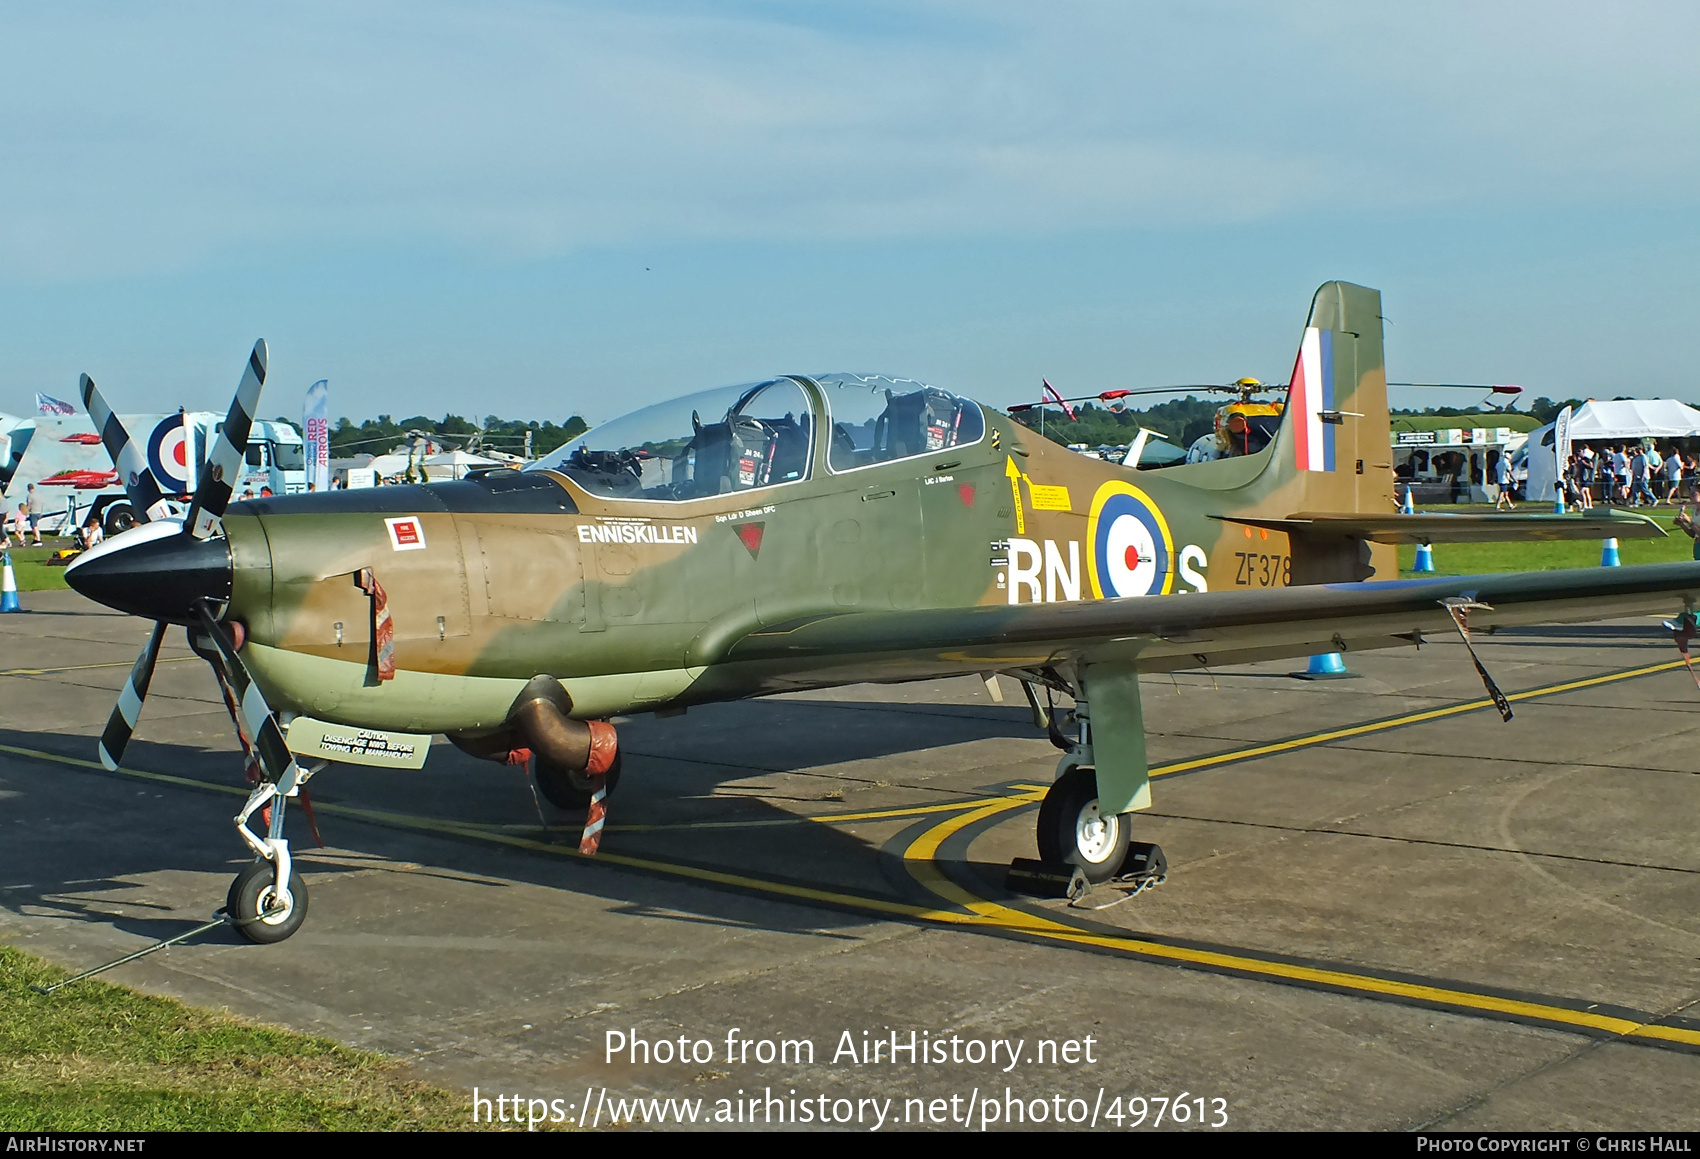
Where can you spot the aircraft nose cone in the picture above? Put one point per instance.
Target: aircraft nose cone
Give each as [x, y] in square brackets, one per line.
[154, 571]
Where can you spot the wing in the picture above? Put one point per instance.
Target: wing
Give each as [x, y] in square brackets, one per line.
[1161, 633]
[1109, 643]
[1461, 528]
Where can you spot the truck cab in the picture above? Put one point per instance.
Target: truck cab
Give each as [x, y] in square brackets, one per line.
[276, 459]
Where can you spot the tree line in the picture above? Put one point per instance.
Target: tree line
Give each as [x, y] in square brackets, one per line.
[1183, 421]
[384, 433]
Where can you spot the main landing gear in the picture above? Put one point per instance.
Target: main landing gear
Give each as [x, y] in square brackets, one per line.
[1074, 834]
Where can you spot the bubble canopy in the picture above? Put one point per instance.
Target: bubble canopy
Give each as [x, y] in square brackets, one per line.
[756, 435]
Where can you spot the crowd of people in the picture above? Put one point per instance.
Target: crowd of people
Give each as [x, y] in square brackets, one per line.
[1630, 475]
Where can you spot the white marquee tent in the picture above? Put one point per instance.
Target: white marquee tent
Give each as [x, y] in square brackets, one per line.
[1620, 420]
[454, 465]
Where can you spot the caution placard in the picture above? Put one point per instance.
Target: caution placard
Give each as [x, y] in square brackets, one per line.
[357, 746]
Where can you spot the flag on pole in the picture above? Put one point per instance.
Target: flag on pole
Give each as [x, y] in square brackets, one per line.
[1058, 399]
[315, 427]
[48, 405]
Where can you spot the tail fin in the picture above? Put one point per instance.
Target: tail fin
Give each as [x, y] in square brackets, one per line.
[1340, 444]
[1333, 453]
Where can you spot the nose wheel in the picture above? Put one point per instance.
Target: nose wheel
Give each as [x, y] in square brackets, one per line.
[260, 912]
[1073, 832]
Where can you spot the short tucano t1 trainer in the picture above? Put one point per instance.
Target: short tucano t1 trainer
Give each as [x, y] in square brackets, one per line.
[803, 532]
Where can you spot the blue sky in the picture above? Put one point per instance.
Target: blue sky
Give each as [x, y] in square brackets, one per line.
[540, 209]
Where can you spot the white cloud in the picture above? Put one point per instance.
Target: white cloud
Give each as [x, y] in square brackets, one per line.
[135, 141]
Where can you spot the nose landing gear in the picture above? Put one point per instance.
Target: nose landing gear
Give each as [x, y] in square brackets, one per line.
[268, 900]
[261, 913]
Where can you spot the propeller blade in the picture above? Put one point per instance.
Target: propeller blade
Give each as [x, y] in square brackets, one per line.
[123, 721]
[275, 757]
[146, 495]
[218, 481]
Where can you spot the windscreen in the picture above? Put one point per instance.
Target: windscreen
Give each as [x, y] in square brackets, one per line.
[735, 438]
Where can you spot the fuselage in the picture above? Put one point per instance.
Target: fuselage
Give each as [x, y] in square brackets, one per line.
[633, 603]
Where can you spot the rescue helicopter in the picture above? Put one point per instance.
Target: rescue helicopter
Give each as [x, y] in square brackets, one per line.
[801, 532]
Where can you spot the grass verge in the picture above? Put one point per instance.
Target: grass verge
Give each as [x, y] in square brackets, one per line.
[98, 1057]
[29, 564]
[1483, 558]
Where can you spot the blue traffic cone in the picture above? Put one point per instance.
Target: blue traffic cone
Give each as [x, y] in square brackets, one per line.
[1608, 554]
[1405, 507]
[1425, 558]
[1326, 665]
[8, 586]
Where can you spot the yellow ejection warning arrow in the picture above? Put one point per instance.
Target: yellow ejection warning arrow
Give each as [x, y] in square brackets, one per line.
[1014, 474]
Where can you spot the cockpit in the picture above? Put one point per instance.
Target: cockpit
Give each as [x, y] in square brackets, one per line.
[876, 419]
[734, 438]
[743, 438]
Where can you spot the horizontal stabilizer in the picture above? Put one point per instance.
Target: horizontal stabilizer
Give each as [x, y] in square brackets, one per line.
[1395, 528]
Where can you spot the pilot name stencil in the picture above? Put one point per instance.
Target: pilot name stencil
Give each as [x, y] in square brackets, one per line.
[747, 513]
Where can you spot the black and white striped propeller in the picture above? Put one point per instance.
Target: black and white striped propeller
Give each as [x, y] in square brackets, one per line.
[147, 497]
[178, 571]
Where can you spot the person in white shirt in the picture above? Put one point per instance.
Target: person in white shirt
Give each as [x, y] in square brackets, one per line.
[1502, 476]
[91, 534]
[1673, 477]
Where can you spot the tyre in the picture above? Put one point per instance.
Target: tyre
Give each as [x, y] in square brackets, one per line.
[570, 789]
[253, 894]
[1072, 832]
[119, 518]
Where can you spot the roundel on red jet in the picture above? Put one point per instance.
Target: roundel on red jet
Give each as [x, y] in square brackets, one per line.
[1133, 553]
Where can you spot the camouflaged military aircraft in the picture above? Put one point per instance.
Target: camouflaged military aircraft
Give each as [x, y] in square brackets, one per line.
[797, 533]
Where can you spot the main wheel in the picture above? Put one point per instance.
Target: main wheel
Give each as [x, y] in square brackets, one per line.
[254, 904]
[1073, 832]
[571, 788]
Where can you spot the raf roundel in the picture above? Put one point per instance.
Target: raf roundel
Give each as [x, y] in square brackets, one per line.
[1132, 551]
[168, 455]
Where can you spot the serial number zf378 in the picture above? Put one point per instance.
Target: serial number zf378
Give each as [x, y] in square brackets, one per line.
[1254, 570]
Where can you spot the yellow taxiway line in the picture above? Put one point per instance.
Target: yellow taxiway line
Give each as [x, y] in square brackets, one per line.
[1425, 716]
[920, 859]
[83, 667]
